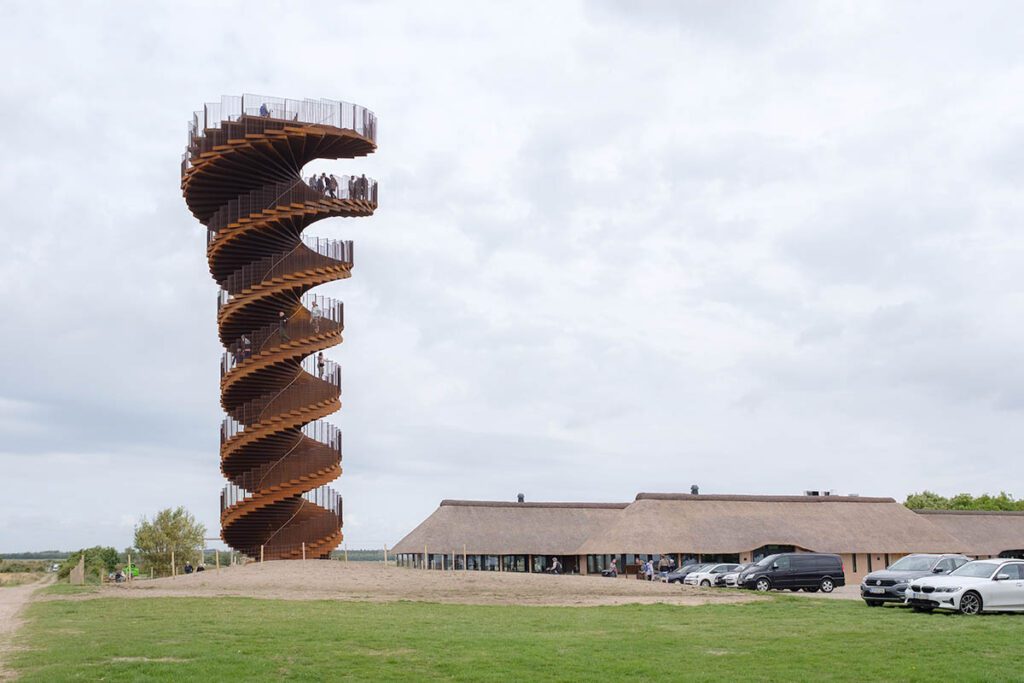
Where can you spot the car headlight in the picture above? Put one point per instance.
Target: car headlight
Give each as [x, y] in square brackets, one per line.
[947, 589]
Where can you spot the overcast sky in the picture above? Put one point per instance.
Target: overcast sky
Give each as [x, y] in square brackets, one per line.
[621, 246]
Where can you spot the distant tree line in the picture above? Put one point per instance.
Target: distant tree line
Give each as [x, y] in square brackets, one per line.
[363, 555]
[927, 500]
[41, 555]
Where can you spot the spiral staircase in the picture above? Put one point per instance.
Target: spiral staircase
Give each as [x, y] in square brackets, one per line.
[241, 178]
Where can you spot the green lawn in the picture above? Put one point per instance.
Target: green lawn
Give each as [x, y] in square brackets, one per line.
[784, 639]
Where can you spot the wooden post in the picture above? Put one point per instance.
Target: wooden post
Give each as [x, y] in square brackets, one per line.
[261, 554]
[465, 564]
[216, 558]
[385, 554]
[303, 551]
[426, 558]
[129, 577]
[173, 574]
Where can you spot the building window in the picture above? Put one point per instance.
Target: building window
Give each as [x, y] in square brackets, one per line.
[766, 550]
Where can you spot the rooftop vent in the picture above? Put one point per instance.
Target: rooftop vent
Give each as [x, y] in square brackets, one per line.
[521, 498]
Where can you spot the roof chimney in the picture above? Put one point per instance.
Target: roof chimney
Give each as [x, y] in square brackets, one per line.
[522, 498]
[695, 490]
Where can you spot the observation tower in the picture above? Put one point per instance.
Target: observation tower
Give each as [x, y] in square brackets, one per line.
[241, 176]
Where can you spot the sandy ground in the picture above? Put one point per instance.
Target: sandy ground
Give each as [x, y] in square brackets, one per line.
[369, 581]
[12, 600]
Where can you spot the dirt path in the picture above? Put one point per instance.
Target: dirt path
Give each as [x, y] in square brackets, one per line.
[369, 581]
[12, 600]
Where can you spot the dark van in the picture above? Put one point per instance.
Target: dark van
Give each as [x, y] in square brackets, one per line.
[810, 571]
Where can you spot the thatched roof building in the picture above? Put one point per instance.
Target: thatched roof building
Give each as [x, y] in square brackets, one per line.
[868, 533]
[717, 524]
[508, 528]
[980, 532]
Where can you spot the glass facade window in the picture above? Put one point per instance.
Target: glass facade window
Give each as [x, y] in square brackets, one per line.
[766, 550]
[513, 563]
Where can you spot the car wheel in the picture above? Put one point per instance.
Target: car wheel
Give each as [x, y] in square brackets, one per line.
[705, 583]
[970, 603]
[763, 585]
[794, 590]
[827, 585]
[873, 603]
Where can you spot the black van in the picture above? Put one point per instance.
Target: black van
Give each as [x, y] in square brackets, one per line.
[810, 571]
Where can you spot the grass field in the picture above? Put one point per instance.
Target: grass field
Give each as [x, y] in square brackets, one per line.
[786, 639]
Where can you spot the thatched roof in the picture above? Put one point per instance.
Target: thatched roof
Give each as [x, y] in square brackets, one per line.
[507, 528]
[711, 524]
[980, 532]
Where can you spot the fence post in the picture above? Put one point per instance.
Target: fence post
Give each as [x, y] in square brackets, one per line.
[426, 558]
[173, 574]
[465, 564]
[303, 551]
[129, 577]
[216, 555]
[261, 554]
[385, 554]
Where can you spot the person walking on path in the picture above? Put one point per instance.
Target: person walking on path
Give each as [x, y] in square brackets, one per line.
[315, 314]
[282, 323]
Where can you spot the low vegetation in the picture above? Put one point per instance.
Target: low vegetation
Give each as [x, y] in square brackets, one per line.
[785, 638]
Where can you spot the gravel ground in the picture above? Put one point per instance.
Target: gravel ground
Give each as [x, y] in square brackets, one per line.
[369, 581]
[12, 600]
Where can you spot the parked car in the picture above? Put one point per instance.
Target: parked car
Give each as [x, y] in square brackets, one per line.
[728, 579]
[979, 586]
[890, 584]
[678, 575]
[707, 576]
[809, 571]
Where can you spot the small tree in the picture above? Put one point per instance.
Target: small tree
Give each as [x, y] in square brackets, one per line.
[171, 530]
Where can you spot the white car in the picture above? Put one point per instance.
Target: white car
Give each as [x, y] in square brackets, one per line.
[995, 585]
[707, 576]
[731, 579]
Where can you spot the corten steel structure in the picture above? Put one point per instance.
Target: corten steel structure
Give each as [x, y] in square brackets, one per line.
[241, 177]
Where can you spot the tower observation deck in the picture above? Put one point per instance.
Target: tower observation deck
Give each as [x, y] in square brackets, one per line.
[241, 177]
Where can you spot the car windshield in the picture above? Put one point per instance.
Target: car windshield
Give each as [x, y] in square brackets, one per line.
[767, 561]
[919, 563]
[978, 570]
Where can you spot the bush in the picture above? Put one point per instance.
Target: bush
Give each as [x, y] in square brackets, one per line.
[99, 561]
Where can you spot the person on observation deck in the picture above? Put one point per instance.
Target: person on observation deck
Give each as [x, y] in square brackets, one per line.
[320, 363]
[315, 314]
[282, 323]
[264, 110]
[332, 186]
